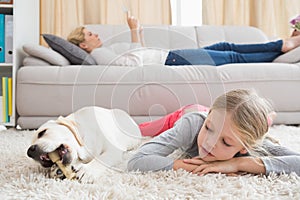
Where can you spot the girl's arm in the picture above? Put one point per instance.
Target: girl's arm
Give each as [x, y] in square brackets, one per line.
[180, 164]
[234, 165]
[153, 156]
[282, 164]
[279, 160]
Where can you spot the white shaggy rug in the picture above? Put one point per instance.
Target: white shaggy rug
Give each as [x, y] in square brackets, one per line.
[21, 178]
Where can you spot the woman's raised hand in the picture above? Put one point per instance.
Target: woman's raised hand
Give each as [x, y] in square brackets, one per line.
[137, 35]
[133, 23]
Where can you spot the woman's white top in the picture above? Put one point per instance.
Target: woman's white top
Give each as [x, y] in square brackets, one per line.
[129, 54]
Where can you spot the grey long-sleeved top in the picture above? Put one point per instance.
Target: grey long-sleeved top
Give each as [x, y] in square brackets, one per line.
[153, 155]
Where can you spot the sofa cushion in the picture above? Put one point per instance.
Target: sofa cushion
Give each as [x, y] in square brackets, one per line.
[34, 61]
[73, 53]
[292, 56]
[45, 54]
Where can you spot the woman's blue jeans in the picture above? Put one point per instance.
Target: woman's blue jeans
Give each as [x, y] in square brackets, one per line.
[224, 53]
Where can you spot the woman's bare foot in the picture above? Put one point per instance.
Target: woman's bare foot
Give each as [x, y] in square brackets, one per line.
[295, 33]
[290, 43]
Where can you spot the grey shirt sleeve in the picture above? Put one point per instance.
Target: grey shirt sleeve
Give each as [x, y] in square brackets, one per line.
[281, 159]
[153, 156]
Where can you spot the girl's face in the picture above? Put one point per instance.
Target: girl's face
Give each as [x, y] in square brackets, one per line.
[91, 41]
[218, 140]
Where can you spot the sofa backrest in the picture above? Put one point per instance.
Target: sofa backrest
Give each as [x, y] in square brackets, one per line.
[180, 37]
[237, 34]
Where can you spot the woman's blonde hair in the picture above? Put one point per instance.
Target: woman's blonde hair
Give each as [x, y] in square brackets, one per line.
[249, 114]
[76, 36]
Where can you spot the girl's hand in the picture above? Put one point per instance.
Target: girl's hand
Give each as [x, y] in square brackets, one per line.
[180, 164]
[248, 164]
[226, 167]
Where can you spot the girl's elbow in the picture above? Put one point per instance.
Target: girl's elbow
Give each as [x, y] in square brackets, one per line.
[131, 165]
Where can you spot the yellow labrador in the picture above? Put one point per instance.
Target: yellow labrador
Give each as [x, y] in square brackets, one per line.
[91, 140]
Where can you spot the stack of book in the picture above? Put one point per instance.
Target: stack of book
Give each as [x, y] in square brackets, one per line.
[6, 38]
[6, 99]
[6, 56]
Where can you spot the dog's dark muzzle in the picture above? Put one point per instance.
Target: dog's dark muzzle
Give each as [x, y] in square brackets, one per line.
[36, 153]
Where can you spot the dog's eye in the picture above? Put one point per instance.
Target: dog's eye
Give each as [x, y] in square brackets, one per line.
[41, 133]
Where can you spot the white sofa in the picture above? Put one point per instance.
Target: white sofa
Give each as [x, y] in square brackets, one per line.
[148, 92]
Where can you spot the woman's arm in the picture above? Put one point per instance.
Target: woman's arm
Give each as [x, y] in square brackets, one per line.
[134, 26]
[142, 39]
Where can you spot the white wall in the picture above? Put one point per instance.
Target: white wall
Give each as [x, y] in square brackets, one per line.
[186, 12]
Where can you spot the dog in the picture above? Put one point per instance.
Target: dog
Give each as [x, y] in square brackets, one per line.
[91, 140]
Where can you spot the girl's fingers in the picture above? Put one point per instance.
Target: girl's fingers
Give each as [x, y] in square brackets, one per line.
[205, 169]
[199, 169]
[194, 161]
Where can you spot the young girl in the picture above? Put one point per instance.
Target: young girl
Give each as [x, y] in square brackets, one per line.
[230, 139]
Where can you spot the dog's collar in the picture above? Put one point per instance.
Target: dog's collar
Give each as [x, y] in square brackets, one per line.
[72, 127]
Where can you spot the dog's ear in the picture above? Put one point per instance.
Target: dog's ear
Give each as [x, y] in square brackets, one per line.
[72, 126]
[41, 133]
[84, 155]
[67, 122]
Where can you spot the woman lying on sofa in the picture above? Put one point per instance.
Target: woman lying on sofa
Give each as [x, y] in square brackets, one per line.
[218, 54]
[229, 138]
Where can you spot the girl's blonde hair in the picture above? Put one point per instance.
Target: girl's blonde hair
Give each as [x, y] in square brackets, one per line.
[76, 36]
[249, 114]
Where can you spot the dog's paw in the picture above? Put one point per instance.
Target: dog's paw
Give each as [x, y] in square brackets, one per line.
[82, 174]
[56, 173]
[85, 175]
[89, 173]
